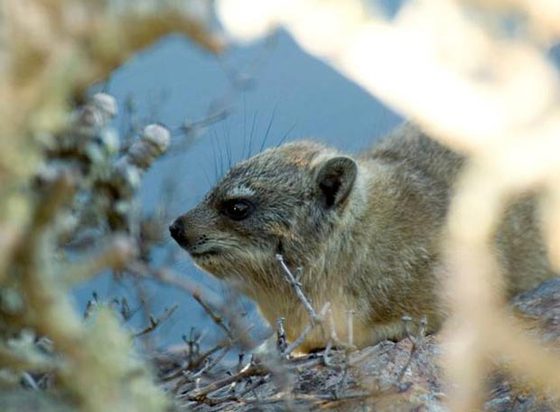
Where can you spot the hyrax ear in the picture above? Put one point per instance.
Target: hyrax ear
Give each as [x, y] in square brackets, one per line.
[336, 177]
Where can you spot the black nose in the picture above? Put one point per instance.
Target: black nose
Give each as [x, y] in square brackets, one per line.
[177, 231]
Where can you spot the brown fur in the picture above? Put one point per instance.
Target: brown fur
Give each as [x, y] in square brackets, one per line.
[365, 231]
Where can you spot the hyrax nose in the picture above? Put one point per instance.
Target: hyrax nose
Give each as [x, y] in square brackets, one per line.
[177, 231]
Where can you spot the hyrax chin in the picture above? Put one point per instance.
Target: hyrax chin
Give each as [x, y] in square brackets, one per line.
[364, 230]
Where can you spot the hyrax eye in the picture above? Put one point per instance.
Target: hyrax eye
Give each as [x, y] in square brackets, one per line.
[237, 209]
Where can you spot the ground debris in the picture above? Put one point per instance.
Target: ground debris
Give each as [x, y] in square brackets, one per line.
[389, 376]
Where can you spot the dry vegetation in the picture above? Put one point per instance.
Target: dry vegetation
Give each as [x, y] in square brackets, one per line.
[67, 191]
[63, 177]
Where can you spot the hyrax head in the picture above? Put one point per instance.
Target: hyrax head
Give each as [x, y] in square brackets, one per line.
[285, 200]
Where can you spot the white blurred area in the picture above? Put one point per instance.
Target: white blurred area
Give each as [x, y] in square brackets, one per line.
[424, 59]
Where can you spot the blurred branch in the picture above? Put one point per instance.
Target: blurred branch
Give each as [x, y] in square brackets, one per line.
[25, 359]
[117, 252]
[85, 42]
[60, 178]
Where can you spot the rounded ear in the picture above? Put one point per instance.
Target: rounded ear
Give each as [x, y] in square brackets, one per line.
[335, 178]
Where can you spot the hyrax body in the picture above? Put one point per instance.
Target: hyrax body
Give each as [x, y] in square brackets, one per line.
[365, 231]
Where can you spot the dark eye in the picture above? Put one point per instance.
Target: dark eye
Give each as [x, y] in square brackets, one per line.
[237, 209]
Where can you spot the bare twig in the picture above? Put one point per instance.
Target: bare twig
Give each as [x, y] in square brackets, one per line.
[206, 299]
[327, 353]
[218, 320]
[199, 395]
[416, 341]
[204, 356]
[155, 322]
[308, 328]
[297, 288]
[281, 343]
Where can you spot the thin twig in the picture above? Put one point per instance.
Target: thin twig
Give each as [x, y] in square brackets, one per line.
[416, 342]
[204, 355]
[155, 322]
[212, 363]
[250, 370]
[218, 319]
[326, 354]
[166, 275]
[297, 288]
[308, 328]
[281, 343]
[29, 381]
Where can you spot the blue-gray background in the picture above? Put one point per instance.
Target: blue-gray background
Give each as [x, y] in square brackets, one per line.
[174, 81]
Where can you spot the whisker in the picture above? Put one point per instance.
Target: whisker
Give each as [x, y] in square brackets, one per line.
[253, 126]
[285, 136]
[227, 145]
[215, 154]
[223, 154]
[244, 126]
[273, 115]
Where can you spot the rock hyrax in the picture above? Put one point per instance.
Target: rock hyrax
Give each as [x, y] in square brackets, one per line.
[364, 230]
